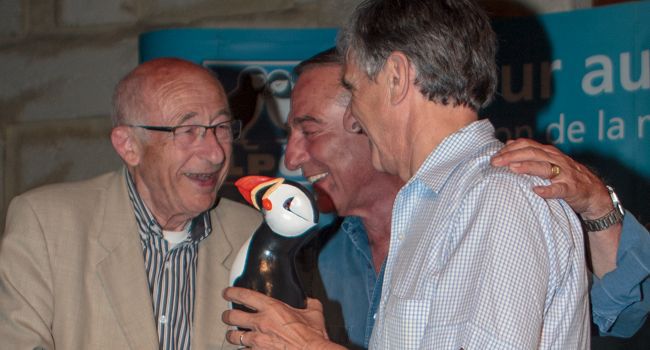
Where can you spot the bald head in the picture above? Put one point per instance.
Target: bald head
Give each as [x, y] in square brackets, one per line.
[141, 92]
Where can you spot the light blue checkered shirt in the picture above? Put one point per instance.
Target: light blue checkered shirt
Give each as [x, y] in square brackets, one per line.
[479, 261]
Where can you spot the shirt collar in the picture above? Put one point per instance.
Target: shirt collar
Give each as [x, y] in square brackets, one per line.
[201, 226]
[353, 227]
[451, 153]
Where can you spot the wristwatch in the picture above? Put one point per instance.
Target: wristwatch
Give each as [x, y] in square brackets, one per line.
[613, 217]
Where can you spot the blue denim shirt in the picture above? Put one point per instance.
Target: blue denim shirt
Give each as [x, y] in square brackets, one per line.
[351, 286]
[621, 299]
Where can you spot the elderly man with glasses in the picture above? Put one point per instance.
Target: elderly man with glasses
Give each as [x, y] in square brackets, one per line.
[132, 259]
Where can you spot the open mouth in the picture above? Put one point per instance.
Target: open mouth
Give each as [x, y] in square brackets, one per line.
[201, 176]
[203, 179]
[315, 178]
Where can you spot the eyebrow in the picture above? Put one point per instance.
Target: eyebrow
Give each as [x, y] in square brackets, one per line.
[190, 115]
[303, 119]
[224, 112]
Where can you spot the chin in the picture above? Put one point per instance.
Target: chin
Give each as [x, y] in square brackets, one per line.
[202, 205]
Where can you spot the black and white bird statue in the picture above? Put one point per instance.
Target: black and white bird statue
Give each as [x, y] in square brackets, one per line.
[266, 262]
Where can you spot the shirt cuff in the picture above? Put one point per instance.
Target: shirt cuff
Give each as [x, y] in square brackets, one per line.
[620, 288]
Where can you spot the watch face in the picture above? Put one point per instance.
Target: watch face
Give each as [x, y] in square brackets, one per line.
[615, 201]
[620, 209]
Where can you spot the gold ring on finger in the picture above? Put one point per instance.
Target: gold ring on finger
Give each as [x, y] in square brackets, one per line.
[555, 170]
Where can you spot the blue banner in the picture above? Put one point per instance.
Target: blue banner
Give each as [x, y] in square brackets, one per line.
[581, 80]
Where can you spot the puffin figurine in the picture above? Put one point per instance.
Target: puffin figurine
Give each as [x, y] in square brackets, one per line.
[266, 262]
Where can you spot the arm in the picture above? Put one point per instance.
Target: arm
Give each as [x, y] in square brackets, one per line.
[620, 255]
[620, 298]
[529, 274]
[26, 307]
[275, 325]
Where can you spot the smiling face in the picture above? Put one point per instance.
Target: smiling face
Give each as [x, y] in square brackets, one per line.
[177, 183]
[369, 107]
[335, 160]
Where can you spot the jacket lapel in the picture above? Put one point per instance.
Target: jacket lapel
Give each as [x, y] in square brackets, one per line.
[122, 271]
[212, 277]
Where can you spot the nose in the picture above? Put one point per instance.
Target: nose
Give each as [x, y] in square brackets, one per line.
[295, 153]
[350, 124]
[213, 150]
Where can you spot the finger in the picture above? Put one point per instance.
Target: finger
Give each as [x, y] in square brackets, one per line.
[520, 143]
[239, 318]
[250, 298]
[236, 337]
[314, 304]
[540, 169]
[555, 190]
[530, 143]
[527, 154]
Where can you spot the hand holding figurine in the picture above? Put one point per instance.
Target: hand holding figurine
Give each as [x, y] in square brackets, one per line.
[275, 325]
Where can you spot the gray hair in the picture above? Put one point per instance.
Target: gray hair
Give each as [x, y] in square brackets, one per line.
[126, 96]
[329, 57]
[324, 58]
[449, 42]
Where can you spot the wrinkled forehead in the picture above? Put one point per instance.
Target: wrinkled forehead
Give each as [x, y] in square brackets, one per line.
[317, 90]
[197, 93]
[176, 80]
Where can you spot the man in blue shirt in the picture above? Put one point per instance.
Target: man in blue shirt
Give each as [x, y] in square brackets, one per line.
[350, 260]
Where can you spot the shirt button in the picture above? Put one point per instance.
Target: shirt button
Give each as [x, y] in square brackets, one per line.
[167, 265]
[400, 237]
[163, 319]
[374, 317]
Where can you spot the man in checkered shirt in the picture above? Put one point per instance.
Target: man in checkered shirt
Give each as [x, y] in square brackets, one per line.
[476, 259]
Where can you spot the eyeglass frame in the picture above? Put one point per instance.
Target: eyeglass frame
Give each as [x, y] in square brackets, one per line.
[235, 124]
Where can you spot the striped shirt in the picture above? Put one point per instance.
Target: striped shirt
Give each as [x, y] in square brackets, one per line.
[479, 261]
[171, 273]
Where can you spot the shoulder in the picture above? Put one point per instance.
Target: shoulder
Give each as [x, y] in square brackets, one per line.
[506, 197]
[53, 216]
[236, 220]
[69, 196]
[478, 174]
[229, 210]
[74, 188]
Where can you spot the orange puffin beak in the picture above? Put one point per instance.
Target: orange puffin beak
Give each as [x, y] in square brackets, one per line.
[248, 186]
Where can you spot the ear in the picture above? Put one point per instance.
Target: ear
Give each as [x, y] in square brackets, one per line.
[126, 145]
[350, 124]
[399, 73]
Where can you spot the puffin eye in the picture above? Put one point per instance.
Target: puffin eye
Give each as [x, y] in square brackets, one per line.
[287, 204]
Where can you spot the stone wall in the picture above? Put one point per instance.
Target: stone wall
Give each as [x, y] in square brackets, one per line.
[59, 61]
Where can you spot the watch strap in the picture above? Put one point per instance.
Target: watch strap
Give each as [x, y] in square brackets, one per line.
[604, 222]
[612, 218]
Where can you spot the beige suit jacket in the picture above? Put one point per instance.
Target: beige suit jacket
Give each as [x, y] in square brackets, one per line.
[72, 273]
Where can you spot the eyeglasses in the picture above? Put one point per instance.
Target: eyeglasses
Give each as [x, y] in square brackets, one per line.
[189, 135]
